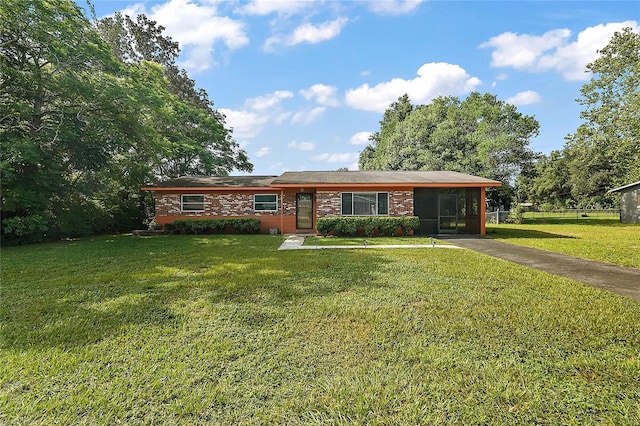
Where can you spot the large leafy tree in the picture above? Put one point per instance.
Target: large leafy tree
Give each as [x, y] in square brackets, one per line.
[58, 124]
[604, 152]
[479, 135]
[197, 141]
[81, 129]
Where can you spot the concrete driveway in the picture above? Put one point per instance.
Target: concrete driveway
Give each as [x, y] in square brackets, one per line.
[617, 279]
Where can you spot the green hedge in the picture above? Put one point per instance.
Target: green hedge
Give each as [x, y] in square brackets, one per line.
[214, 226]
[367, 225]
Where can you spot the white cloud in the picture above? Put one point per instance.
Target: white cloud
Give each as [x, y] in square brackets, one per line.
[360, 138]
[393, 7]
[522, 51]
[527, 97]
[434, 79]
[271, 100]
[553, 50]
[308, 33]
[267, 7]
[337, 157]
[323, 94]
[307, 116]
[245, 124]
[197, 28]
[263, 152]
[302, 146]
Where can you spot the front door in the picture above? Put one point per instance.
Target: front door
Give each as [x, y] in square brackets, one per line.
[304, 211]
[448, 213]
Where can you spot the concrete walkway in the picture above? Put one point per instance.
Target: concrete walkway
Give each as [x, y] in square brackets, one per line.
[295, 242]
[614, 278]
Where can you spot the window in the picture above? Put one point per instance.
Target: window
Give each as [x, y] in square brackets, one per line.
[265, 202]
[192, 203]
[365, 203]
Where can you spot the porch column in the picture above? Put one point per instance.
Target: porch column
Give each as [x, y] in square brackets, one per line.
[483, 208]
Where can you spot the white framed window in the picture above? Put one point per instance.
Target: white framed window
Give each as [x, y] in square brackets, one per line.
[192, 202]
[265, 202]
[365, 203]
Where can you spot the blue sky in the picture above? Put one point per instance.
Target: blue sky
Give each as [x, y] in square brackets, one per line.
[303, 83]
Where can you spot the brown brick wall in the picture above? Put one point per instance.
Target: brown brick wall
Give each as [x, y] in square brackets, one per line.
[401, 203]
[238, 204]
[328, 203]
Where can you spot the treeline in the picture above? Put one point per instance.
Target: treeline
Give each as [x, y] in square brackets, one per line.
[483, 136]
[480, 135]
[91, 110]
[604, 152]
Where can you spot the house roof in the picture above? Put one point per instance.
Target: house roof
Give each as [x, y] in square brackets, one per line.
[319, 178]
[622, 188]
[216, 182]
[381, 177]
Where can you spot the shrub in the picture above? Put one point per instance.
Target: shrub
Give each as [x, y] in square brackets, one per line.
[211, 226]
[367, 225]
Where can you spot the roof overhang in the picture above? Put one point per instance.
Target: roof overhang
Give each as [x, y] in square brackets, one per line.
[622, 188]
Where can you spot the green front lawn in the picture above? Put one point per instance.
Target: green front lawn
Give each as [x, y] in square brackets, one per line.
[597, 238]
[227, 330]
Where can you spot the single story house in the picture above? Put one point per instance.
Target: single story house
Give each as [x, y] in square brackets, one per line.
[630, 203]
[445, 202]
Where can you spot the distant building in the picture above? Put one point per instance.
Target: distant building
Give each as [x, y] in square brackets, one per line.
[630, 203]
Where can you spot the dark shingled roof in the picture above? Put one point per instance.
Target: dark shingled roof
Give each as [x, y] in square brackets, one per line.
[217, 181]
[380, 177]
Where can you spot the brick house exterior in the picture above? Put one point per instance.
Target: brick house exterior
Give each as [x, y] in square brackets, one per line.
[445, 201]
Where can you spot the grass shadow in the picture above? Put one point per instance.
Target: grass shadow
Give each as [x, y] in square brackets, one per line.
[507, 233]
[81, 292]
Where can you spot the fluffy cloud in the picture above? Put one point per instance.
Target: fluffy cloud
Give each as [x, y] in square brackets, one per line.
[434, 79]
[393, 7]
[308, 33]
[527, 97]
[197, 28]
[302, 146]
[267, 7]
[323, 94]
[271, 100]
[245, 124]
[553, 50]
[360, 138]
[307, 116]
[263, 152]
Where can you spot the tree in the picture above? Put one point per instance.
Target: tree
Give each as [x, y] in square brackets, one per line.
[56, 80]
[480, 135]
[81, 130]
[604, 152]
[376, 155]
[198, 142]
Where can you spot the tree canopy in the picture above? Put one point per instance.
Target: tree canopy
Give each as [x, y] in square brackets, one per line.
[604, 152]
[88, 116]
[479, 135]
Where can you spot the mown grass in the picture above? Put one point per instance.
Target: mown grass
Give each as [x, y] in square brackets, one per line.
[227, 330]
[597, 238]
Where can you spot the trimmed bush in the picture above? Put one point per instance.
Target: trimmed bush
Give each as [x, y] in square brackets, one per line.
[367, 225]
[214, 226]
